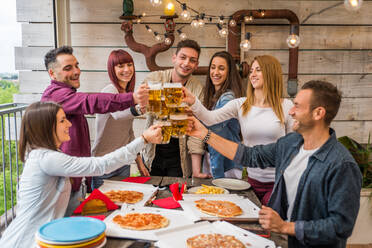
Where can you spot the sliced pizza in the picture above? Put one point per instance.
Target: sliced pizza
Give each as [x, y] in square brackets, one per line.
[218, 208]
[214, 240]
[141, 221]
[124, 196]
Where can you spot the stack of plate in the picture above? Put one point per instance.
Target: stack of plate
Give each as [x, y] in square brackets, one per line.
[72, 232]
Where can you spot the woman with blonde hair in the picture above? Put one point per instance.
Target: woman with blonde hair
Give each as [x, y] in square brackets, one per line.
[262, 115]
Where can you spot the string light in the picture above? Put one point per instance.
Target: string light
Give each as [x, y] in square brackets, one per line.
[148, 28]
[144, 14]
[156, 3]
[221, 20]
[245, 44]
[249, 18]
[232, 23]
[185, 14]
[262, 12]
[157, 36]
[222, 31]
[183, 36]
[139, 20]
[201, 20]
[169, 9]
[167, 40]
[195, 23]
[353, 5]
[293, 41]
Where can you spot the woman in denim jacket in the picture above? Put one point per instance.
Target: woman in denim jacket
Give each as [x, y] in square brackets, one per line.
[223, 84]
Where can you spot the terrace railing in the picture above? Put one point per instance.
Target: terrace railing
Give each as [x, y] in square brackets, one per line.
[11, 167]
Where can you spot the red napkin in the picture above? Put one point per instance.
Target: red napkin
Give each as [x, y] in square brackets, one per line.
[168, 203]
[99, 217]
[177, 194]
[96, 194]
[136, 179]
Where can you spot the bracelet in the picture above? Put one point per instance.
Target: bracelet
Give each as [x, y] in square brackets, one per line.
[206, 138]
[144, 139]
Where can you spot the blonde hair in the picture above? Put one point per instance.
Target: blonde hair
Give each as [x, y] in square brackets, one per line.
[272, 87]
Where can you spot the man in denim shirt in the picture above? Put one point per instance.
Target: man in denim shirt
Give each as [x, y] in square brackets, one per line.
[317, 186]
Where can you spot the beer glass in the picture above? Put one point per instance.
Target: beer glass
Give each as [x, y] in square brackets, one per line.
[164, 111]
[166, 130]
[155, 93]
[181, 109]
[173, 94]
[179, 125]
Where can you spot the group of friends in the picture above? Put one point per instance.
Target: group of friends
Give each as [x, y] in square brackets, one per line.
[308, 183]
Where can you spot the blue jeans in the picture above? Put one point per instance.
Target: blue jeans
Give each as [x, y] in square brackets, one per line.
[122, 171]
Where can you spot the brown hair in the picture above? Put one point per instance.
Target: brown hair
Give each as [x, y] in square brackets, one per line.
[326, 95]
[189, 44]
[51, 56]
[232, 82]
[272, 87]
[38, 127]
[120, 57]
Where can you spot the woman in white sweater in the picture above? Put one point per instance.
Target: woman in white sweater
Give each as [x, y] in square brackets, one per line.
[44, 188]
[114, 130]
[263, 115]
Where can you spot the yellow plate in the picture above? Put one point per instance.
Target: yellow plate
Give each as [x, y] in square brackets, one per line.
[99, 238]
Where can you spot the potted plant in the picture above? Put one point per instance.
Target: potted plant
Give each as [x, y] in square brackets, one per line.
[362, 155]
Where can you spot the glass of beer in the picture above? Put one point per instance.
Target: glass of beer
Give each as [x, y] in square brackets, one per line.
[155, 93]
[173, 94]
[164, 110]
[179, 125]
[181, 109]
[166, 130]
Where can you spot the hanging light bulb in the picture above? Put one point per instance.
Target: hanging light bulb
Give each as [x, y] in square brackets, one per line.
[183, 36]
[293, 41]
[201, 20]
[262, 12]
[148, 28]
[185, 14]
[222, 31]
[221, 20]
[167, 41]
[249, 18]
[157, 36]
[232, 23]
[245, 44]
[169, 9]
[139, 20]
[144, 14]
[353, 5]
[195, 23]
[156, 3]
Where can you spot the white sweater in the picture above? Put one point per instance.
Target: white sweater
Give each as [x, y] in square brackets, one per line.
[44, 188]
[259, 126]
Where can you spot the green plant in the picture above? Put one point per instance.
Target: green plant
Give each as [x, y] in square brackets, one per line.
[361, 155]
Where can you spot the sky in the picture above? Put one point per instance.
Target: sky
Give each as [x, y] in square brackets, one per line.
[10, 35]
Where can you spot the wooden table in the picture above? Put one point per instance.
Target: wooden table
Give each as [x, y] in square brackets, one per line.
[280, 240]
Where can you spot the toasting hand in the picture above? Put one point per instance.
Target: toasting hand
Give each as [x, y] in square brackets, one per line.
[153, 134]
[188, 97]
[141, 96]
[195, 128]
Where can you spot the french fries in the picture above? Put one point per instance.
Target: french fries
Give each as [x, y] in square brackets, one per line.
[205, 189]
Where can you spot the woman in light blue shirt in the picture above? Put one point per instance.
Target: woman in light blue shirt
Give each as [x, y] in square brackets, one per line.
[44, 188]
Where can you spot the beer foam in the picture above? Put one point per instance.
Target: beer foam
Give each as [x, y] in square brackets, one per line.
[178, 117]
[155, 86]
[172, 85]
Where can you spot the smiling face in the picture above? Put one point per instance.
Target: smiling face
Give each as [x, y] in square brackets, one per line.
[218, 72]
[301, 112]
[62, 128]
[185, 62]
[256, 76]
[66, 69]
[124, 73]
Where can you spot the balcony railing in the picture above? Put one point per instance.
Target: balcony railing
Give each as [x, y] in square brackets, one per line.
[10, 121]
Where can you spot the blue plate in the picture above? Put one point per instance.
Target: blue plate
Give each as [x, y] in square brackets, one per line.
[72, 229]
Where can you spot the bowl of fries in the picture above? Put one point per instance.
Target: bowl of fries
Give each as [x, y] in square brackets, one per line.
[206, 189]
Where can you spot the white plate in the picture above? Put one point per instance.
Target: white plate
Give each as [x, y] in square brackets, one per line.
[231, 183]
[177, 237]
[194, 189]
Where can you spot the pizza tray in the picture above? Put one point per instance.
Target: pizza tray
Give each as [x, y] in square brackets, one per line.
[250, 210]
[149, 191]
[177, 218]
[193, 190]
[177, 237]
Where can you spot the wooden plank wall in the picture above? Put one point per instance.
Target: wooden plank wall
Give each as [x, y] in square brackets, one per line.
[335, 46]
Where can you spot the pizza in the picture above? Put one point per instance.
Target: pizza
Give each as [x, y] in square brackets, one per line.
[124, 196]
[141, 221]
[218, 208]
[214, 240]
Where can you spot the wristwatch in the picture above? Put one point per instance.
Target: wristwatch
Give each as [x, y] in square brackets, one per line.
[138, 109]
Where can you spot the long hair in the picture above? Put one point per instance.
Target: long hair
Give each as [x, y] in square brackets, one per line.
[232, 82]
[38, 127]
[120, 57]
[272, 87]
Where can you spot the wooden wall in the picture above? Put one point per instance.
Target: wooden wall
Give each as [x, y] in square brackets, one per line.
[335, 46]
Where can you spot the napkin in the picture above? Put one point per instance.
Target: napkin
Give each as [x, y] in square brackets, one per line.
[168, 203]
[98, 217]
[97, 202]
[136, 179]
[176, 192]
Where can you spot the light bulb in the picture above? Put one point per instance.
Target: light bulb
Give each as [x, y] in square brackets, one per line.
[183, 36]
[144, 14]
[353, 5]
[185, 15]
[232, 23]
[148, 28]
[169, 9]
[293, 41]
[167, 41]
[201, 23]
[245, 45]
[139, 20]
[221, 20]
[157, 36]
[223, 32]
[195, 23]
[156, 3]
[248, 19]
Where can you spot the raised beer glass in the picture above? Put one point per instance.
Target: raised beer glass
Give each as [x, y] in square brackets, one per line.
[173, 94]
[179, 125]
[155, 93]
[166, 130]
